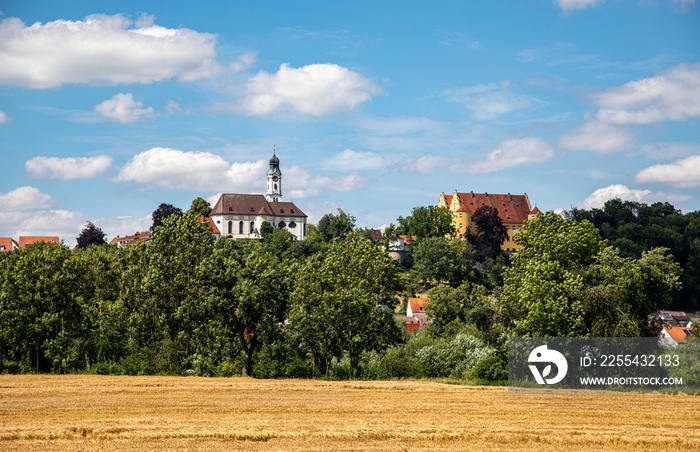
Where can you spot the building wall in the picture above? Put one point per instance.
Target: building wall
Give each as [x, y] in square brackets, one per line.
[222, 222]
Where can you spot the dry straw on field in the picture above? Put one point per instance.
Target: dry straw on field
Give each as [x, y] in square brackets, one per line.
[61, 413]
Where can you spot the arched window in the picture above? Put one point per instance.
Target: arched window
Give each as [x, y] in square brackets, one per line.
[304, 229]
[230, 227]
[240, 227]
[252, 226]
[281, 224]
[292, 224]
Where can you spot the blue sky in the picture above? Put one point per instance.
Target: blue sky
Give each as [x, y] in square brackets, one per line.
[108, 109]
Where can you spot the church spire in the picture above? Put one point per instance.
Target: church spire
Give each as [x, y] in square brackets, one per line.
[274, 179]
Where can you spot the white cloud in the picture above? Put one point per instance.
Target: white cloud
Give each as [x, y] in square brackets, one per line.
[24, 199]
[316, 90]
[674, 95]
[684, 173]
[304, 185]
[682, 5]
[247, 177]
[102, 49]
[597, 137]
[598, 198]
[70, 168]
[124, 109]
[171, 168]
[425, 164]
[489, 101]
[349, 160]
[569, 5]
[510, 153]
[244, 61]
[4, 119]
[173, 107]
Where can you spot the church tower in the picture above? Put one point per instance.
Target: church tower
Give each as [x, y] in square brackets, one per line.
[274, 180]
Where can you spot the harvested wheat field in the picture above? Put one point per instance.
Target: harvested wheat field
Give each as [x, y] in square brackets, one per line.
[61, 413]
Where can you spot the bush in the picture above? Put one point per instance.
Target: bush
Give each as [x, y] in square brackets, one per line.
[229, 368]
[451, 358]
[491, 368]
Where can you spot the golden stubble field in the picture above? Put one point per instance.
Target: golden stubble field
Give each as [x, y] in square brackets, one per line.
[62, 413]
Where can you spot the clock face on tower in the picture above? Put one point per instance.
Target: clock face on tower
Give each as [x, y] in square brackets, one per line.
[275, 178]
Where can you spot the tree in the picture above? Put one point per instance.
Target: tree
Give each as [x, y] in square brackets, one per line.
[565, 282]
[441, 260]
[266, 229]
[332, 226]
[430, 221]
[162, 212]
[488, 234]
[200, 207]
[343, 301]
[244, 296]
[90, 235]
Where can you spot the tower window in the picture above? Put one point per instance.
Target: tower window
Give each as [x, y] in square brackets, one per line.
[275, 186]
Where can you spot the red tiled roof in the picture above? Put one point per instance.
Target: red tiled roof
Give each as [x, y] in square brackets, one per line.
[407, 239]
[511, 208]
[535, 211]
[375, 234]
[418, 305]
[678, 333]
[25, 241]
[215, 230]
[244, 204]
[129, 240]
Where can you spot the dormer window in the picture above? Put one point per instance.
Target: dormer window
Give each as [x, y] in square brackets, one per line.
[292, 210]
[230, 209]
[281, 210]
[252, 210]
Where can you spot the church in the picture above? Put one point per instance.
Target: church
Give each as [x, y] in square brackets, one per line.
[240, 216]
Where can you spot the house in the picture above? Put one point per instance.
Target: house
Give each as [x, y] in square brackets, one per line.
[513, 210]
[214, 230]
[131, 240]
[375, 234]
[240, 216]
[7, 244]
[675, 335]
[25, 241]
[674, 318]
[416, 307]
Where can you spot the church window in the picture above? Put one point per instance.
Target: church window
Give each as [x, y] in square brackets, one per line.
[240, 227]
[292, 225]
[304, 229]
[282, 224]
[252, 226]
[230, 227]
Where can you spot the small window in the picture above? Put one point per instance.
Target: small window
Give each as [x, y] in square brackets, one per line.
[230, 209]
[252, 210]
[281, 210]
[2, 247]
[292, 210]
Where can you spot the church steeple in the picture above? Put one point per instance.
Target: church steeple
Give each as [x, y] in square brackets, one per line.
[274, 179]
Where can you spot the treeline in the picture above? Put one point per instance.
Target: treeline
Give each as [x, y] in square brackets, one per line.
[634, 227]
[185, 304]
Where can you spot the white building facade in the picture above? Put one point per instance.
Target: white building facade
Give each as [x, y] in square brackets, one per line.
[240, 216]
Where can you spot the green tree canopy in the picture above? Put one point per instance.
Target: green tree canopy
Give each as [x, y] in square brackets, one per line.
[430, 221]
[162, 212]
[564, 282]
[442, 260]
[332, 226]
[343, 301]
[200, 207]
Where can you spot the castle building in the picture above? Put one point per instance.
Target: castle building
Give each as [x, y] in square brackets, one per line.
[240, 216]
[513, 210]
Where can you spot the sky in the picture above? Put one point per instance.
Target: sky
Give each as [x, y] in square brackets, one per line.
[108, 109]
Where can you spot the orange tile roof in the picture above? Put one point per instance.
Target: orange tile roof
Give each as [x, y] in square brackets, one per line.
[418, 304]
[215, 230]
[27, 240]
[679, 333]
[130, 240]
[511, 208]
[409, 238]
